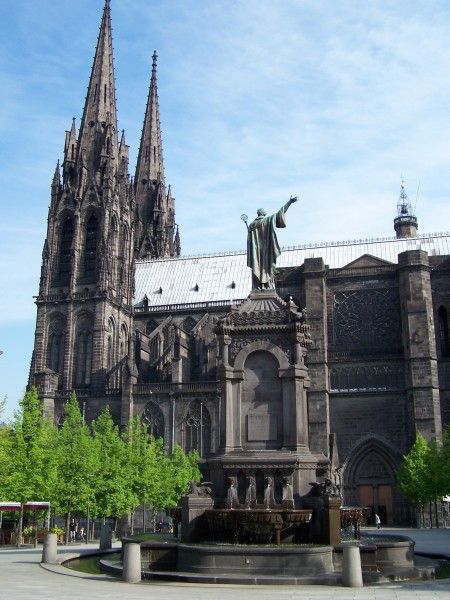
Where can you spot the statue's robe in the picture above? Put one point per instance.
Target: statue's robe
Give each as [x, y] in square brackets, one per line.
[263, 248]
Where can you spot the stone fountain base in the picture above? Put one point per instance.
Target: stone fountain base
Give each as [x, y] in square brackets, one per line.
[298, 561]
[227, 563]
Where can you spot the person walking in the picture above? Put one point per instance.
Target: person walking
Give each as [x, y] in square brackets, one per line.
[377, 521]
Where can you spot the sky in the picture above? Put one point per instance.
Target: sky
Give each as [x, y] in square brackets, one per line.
[259, 99]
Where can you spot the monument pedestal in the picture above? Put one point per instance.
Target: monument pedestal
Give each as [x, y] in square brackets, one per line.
[326, 519]
[263, 412]
[193, 521]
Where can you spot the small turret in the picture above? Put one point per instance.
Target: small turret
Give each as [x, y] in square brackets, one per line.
[56, 182]
[405, 223]
[70, 153]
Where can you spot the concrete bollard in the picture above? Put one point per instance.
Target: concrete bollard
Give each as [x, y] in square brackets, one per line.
[132, 563]
[50, 552]
[351, 566]
[105, 538]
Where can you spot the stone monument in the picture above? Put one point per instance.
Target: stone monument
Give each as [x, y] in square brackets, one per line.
[263, 381]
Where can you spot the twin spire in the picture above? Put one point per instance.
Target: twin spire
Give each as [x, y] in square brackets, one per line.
[98, 129]
[97, 152]
[150, 164]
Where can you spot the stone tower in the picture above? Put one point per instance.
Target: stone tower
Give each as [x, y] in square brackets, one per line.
[155, 208]
[405, 223]
[84, 306]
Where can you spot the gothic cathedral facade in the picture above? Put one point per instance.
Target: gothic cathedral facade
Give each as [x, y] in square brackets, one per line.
[128, 323]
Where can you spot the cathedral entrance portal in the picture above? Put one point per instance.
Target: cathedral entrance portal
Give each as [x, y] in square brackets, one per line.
[370, 475]
[379, 499]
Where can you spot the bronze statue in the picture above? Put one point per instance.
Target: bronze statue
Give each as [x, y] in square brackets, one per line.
[262, 245]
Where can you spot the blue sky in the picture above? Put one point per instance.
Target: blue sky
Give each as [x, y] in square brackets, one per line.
[259, 99]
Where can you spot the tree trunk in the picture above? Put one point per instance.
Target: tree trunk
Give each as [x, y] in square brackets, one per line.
[431, 515]
[143, 517]
[35, 541]
[67, 527]
[20, 527]
[436, 513]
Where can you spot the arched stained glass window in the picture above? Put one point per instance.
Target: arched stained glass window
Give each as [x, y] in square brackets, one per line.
[65, 251]
[83, 352]
[55, 347]
[90, 248]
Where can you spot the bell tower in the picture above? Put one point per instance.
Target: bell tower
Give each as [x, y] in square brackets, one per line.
[84, 306]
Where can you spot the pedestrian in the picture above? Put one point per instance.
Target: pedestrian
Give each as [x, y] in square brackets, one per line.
[72, 530]
[377, 521]
[81, 534]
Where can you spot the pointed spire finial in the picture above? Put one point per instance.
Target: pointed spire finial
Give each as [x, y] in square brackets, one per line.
[405, 224]
[100, 113]
[154, 62]
[57, 176]
[404, 205]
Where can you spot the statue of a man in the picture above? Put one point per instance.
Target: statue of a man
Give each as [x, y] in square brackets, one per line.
[262, 246]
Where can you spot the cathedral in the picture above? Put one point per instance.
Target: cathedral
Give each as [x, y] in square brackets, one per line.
[127, 322]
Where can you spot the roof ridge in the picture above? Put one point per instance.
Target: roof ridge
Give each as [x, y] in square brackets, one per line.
[304, 246]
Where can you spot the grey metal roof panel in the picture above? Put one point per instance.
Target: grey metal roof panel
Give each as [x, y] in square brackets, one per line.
[226, 277]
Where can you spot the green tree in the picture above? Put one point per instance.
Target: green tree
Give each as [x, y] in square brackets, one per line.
[5, 452]
[154, 478]
[77, 464]
[183, 469]
[155, 475]
[412, 475]
[135, 438]
[31, 463]
[113, 496]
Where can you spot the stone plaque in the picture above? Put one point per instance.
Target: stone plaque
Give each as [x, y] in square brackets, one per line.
[261, 428]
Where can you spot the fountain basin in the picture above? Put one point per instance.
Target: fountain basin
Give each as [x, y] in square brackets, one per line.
[299, 561]
[257, 526]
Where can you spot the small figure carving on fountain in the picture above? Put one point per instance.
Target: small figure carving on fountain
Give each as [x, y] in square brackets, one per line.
[337, 481]
[250, 494]
[200, 490]
[288, 494]
[232, 497]
[269, 498]
[326, 488]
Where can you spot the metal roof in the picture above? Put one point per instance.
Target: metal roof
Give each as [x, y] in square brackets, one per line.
[225, 277]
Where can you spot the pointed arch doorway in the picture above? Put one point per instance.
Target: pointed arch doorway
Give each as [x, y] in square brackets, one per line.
[370, 476]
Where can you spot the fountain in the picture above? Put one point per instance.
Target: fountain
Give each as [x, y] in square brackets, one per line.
[257, 524]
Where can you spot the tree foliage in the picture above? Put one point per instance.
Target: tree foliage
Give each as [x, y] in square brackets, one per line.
[424, 475]
[81, 466]
[112, 494]
[76, 462]
[31, 462]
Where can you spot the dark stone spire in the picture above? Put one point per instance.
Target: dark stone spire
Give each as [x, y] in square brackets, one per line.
[150, 163]
[155, 207]
[98, 129]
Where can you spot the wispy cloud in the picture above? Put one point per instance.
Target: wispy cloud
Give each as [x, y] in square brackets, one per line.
[259, 99]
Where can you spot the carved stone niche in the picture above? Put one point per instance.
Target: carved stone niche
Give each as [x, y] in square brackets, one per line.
[263, 381]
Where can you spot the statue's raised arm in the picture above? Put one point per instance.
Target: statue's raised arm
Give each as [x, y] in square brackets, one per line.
[262, 246]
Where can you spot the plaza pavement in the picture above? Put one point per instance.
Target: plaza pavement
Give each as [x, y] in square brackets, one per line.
[23, 578]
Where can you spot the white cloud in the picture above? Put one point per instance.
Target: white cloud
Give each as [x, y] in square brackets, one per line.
[259, 99]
